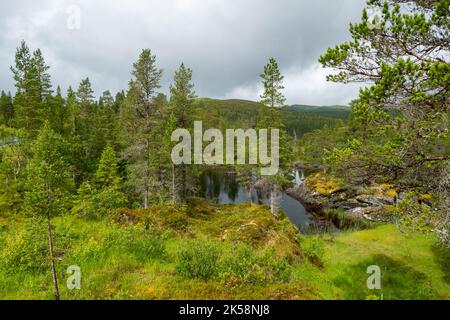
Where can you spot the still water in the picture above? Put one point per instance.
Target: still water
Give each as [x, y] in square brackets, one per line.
[223, 187]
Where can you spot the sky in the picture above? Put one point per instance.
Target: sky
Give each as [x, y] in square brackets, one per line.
[225, 42]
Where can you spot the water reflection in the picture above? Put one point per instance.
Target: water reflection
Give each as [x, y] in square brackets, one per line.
[223, 187]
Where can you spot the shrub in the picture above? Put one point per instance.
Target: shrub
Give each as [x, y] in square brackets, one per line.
[198, 260]
[241, 266]
[26, 250]
[139, 242]
[314, 250]
[245, 265]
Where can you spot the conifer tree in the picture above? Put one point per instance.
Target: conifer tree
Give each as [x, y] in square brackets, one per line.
[6, 109]
[33, 89]
[273, 85]
[48, 185]
[181, 99]
[269, 118]
[107, 175]
[138, 118]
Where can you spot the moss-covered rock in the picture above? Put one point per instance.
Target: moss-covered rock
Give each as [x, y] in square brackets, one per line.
[324, 184]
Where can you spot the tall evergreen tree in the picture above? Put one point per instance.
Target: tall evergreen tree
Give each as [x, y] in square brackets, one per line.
[269, 118]
[273, 85]
[137, 118]
[58, 112]
[33, 89]
[182, 95]
[6, 109]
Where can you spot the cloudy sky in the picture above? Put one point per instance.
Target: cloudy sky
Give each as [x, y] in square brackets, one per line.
[225, 42]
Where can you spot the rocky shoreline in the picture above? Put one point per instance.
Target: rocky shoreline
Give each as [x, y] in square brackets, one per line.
[355, 204]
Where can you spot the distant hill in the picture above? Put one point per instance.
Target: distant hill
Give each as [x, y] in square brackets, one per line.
[333, 110]
[236, 113]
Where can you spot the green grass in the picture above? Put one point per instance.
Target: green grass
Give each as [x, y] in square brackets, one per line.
[215, 252]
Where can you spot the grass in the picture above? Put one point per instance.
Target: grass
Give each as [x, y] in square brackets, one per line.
[206, 251]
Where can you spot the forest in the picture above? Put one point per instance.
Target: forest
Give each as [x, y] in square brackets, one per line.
[89, 188]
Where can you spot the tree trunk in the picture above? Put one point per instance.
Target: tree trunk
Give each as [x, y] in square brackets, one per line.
[52, 259]
[173, 184]
[146, 175]
[274, 201]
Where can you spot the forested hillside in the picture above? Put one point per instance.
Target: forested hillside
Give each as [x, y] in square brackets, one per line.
[234, 113]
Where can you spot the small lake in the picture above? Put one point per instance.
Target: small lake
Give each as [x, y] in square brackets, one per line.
[222, 187]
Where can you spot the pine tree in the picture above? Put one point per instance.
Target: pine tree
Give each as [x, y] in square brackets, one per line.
[73, 131]
[118, 101]
[58, 114]
[159, 159]
[138, 118]
[33, 89]
[269, 118]
[107, 100]
[181, 99]
[6, 109]
[273, 85]
[48, 185]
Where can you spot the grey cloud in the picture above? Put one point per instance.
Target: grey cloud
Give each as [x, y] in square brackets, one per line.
[225, 42]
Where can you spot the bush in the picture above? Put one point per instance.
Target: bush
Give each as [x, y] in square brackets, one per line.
[241, 266]
[314, 250]
[26, 250]
[139, 242]
[198, 260]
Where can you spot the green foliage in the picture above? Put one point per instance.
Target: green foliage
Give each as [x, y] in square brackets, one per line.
[182, 96]
[199, 259]
[105, 194]
[144, 245]
[412, 215]
[399, 124]
[26, 251]
[205, 260]
[33, 89]
[12, 160]
[314, 250]
[273, 85]
[139, 118]
[6, 109]
[234, 113]
[48, 183]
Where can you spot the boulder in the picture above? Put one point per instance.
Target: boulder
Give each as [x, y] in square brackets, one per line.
[374, 200]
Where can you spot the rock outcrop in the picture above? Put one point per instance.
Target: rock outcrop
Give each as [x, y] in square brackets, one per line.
[366, 204]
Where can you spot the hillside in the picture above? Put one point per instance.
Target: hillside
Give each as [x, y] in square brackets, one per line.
[235, 113]
[215, 252]
[337, 111]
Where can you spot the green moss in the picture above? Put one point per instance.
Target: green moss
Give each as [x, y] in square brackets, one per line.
[324, 184]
